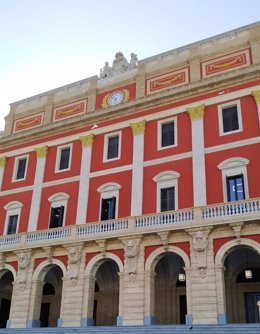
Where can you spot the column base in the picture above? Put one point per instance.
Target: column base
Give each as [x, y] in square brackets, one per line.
[188, 319]
[119, 321]
[33, 323]
[149, 320]
[86, 322]
[60, 321]
[222, 319]
[8, 324]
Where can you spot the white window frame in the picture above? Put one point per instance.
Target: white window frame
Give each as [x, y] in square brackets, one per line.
[108, 190]
[232, 167]
[12, 208]
[159, 133]
[57, 200]
[58, 157]
[16, 164]
[220, 118]
[166, 179]
[106, 140]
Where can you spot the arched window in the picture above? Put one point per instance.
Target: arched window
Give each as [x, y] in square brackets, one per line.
[12, 219]
[58, 209]
[109, 198]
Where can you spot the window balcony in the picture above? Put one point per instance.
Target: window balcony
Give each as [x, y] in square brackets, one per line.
[217, 214]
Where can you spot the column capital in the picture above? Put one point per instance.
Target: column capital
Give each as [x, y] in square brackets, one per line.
[196, 112]
[256, 95]
[138, 128]
[3, 162]
[87, 141]
[42, 152]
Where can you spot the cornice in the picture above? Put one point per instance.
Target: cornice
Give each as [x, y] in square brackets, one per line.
[133, 107]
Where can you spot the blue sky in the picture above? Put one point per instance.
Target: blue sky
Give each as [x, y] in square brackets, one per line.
[49, 43]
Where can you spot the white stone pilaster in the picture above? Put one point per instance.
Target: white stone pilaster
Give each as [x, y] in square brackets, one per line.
[87, 143]
[137, 176]
[37, 188]
[198, 155]
[256, 95]
[2, 168]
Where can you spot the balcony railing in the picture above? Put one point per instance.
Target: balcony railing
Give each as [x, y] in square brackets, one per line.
[224, 213]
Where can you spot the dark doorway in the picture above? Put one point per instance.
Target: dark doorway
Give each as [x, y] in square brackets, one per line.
[183, 309]
[45, 313]
[252, 312]
[4, 312]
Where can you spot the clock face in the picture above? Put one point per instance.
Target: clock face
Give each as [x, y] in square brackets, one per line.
[115, 98]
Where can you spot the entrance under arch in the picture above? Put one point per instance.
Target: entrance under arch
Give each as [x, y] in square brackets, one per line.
[242, 290]
[51, 297]
[6, 290]
[170, 292]
[106, 300]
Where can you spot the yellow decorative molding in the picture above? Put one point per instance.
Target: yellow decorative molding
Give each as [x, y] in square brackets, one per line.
[41, 152]
[256, 95]
[3, 162]
[196, 112]
[87, 140]
[138, 128]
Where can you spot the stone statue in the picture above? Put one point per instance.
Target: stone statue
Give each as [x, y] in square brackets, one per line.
[120, 65]
[131, 253]
[200, 241]
[23, 265]
[23, 261]
[74, 257]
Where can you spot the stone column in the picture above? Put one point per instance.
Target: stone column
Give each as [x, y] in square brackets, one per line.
[2, 168]
[221, 296]
[37, 187]
[35, 304]
[189, 318]
[86, 142]
[256, 95]
[149, 318]
[137, 173]
[120, 302]
[198, 155]
[88, 301]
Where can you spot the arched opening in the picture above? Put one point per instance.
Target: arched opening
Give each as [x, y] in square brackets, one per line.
[170, 290]
[6, 290]
[106, 298]
[242, 284]
[51, 297]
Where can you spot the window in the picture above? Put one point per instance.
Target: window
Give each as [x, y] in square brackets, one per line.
[109, 198]
[112, 146]
[20, 168]
[13, 213]
[63, 158]
[12, 224]
[167, 190]
[235, 188]
[108, 208]
[230, 120]
[56, 219]
[167, 133]
[167, 199]
[58, 209]
[234, 179]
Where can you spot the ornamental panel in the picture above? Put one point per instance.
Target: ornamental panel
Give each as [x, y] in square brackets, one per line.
[69, 110]
[29, 122]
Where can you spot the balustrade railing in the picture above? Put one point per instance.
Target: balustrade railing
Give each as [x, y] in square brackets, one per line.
[227, 212]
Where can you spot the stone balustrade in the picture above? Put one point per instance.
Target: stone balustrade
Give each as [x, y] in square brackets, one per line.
[224, 213]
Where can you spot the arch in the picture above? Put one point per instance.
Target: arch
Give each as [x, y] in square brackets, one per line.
[110, 186]
[6, 268]
[13, 205]
[222, 252]
[40, 273]
[166, 175]
[97, 260]
[233, 162]
[157, 254]
[58, 197]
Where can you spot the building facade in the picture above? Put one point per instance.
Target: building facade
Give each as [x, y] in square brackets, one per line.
[133, 197]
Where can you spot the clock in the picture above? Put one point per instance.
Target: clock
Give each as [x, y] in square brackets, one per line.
[115, 98]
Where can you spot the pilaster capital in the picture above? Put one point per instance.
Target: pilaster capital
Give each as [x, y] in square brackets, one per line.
[196, 112]
[138, 128]
[256, 95]
[87, 141]
[42, 152]
[3, 162]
